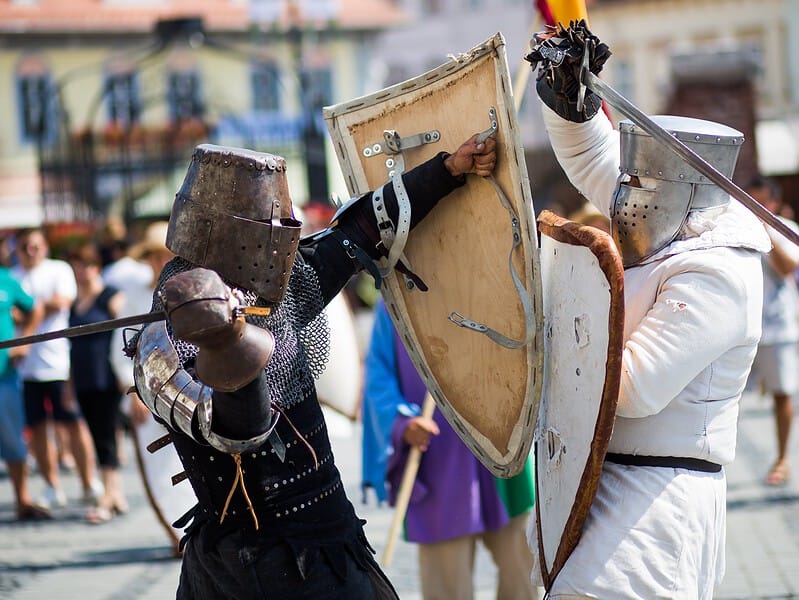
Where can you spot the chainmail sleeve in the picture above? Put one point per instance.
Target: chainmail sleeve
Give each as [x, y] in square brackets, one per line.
[299, 324]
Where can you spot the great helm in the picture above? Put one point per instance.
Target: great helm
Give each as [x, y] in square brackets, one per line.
[233, 215]
[645, 219]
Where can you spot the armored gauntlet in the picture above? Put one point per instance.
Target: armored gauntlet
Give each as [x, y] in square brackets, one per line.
[203, 311]
[560, 56]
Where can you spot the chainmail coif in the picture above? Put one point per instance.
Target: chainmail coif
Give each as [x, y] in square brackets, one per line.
[299, 324]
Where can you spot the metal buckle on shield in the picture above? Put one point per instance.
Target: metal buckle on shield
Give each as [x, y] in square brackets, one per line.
[462, 321]
[492, 118]
[494, 336]
[394, 144]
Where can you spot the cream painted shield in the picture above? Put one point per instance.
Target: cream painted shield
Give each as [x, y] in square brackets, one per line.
[462, 251]
[583, 285]
[340, 384]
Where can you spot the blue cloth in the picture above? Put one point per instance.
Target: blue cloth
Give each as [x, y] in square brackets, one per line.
[12, 406]
[11, 295]
[454, 494]
[12, 419]
[382, 399]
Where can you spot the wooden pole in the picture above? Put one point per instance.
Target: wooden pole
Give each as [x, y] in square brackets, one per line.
[406, 487]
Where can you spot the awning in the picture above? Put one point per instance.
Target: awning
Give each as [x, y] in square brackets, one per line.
[20, 211]
[778, 146]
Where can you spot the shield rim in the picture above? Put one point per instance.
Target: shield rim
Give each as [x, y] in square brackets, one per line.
[604, 249]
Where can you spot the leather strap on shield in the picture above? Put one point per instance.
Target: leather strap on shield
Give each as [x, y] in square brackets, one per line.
[524, 295]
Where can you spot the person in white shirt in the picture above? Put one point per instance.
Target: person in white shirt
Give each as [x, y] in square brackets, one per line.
[45, 369]
[776, 366]
[693, 297]
[169, 502]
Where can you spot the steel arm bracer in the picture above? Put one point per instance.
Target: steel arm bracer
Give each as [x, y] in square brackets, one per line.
[176, 398]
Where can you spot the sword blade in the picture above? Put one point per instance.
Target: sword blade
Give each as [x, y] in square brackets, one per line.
[638, 117]
[87, 329]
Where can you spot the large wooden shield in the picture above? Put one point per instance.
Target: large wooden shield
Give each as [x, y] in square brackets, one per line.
[463, 251]
[583, 283]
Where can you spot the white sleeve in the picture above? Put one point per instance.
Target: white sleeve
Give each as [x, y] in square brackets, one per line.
[588, 153]
[137, 301]
[65, 284]
[121, 364]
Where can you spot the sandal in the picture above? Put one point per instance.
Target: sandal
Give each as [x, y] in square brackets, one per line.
[99, 514]
[31, 512]
[102, 514]
[778, 475]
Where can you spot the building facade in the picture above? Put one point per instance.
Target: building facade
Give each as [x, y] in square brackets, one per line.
[736, 61]
[105, 99]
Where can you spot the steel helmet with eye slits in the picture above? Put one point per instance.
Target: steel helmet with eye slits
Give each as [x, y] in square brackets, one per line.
[645, 219]
[233, 215]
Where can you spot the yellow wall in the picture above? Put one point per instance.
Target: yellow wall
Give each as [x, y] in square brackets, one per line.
[646, 33]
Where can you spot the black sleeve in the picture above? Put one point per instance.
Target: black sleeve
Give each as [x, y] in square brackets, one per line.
[245, 413]
[334, 252]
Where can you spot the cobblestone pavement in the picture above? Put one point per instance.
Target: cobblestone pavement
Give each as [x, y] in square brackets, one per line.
[129, 559]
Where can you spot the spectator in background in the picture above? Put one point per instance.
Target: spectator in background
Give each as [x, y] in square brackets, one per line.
[169, 502]
[776, 366]
[120, 269]
[455, 501]
[128, 275]
[13, 447]
[93, 381]
[45, 369]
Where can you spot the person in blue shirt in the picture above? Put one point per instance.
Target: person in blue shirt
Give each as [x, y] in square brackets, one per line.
[15, 303]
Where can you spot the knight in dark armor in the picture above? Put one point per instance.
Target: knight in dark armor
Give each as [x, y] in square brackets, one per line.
[231, 371]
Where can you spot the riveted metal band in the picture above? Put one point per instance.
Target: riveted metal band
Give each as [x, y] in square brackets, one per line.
[171, 393]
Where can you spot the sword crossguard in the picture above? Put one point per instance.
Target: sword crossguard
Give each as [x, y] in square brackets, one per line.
[582, 76]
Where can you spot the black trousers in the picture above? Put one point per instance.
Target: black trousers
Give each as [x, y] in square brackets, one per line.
[231, 570]
[100, 408]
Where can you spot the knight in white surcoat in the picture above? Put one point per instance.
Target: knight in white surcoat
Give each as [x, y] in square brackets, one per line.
[693, 295]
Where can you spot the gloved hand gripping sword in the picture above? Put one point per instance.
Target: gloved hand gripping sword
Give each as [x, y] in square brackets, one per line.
[561, 57]
[203, 311]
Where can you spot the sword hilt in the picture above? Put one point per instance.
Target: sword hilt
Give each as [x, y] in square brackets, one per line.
[581, 79]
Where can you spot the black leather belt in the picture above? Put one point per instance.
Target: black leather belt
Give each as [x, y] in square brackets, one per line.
[675, 462]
